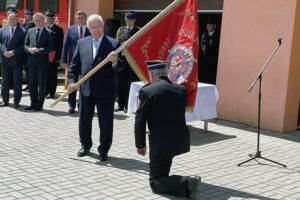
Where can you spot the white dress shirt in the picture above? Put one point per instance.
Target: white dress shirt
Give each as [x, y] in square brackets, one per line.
[96, 44]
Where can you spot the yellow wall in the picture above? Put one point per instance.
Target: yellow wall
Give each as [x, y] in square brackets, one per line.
[106, 8]
[249, 34]
[102, 7]
[293, 94]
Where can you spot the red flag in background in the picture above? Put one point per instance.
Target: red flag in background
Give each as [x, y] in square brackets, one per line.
[172, 37]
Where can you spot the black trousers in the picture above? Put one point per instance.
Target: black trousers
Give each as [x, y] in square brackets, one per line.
[11, 73]
[207, 70]
[37, 79]
[52, 79]
[161, 182]
[105, 110]
[125, 78]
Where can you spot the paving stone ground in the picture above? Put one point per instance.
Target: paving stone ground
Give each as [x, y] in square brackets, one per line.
[38, 160]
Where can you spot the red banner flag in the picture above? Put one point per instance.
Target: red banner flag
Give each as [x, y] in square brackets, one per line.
[173, 37]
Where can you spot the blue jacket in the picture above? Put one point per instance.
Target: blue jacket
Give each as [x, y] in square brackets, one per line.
[15, 44]
[103, 82]
[70, 43]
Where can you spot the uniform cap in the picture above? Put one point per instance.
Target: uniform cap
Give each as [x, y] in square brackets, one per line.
[211, 21]
[130, 15]
[49, 14]
[156, 64]
[28, 12]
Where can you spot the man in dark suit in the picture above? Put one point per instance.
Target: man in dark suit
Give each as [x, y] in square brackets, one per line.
[38, 43]
[162, 105]
[28, 23]
[126, 76]
[97, 91]
[11, 48]
[58, 35]
[74, 33]
[210, 41]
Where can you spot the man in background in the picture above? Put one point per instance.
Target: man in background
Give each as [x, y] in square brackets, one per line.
[126, 75]
[210, 50]
[74, 33]
[11, 49]
[54, 57]
[38, 43]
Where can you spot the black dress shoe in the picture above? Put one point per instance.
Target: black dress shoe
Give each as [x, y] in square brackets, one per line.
[193, 183]
[29, 108]
[16, 105]
[119, 108]
[38, 108]
[3, 104]
[103, 157]
[83, 152]
[125, 110]
[71, 110]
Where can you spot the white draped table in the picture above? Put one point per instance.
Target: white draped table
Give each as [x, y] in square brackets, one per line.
[205, 105]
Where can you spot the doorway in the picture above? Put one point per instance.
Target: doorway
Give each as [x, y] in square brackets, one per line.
[208, 47]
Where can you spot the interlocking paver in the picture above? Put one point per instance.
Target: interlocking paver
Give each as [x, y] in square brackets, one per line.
[38, 160]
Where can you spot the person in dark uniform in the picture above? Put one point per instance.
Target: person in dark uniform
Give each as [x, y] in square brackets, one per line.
[74, 33]
[126, 76]
[99, 90]
[27, 24]
[210, 50]
[58, 35]
[162, 106]
[38, 43]
[11, 48]
[28, 20]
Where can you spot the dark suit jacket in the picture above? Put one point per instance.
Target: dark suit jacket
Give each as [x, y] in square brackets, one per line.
[103, 82]
[45, 44]
[58, 34]
[15, 44]
[70, 43]
[162, 105]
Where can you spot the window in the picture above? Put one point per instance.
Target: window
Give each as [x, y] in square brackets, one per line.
[45, 5]
[30, 4]
[5, 4]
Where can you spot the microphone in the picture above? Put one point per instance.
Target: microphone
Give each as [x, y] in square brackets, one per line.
[279, 41]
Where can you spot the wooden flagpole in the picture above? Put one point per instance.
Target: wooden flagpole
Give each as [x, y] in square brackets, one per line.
[124, 45]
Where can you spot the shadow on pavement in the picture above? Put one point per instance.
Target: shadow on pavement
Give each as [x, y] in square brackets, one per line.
[120, 117]
[208, 191]
[199, 137]
[291, 136]
[125, 164]
[49, 112]
[119, 163]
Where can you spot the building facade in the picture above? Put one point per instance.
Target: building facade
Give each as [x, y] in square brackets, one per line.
[249, 33]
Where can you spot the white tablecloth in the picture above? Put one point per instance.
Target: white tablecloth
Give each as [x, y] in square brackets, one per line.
[205, 105]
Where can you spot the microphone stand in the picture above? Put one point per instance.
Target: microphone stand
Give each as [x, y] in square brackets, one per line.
[259, 78]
